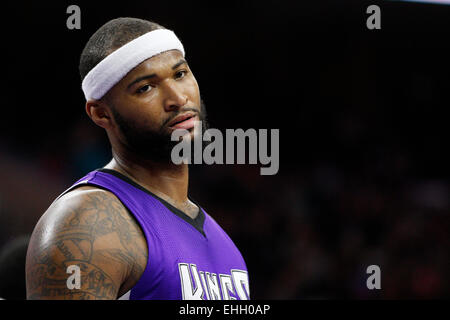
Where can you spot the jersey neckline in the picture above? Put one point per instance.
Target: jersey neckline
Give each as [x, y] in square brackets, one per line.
[197, 222]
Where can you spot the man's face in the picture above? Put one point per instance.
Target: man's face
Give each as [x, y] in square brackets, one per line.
[151, 100]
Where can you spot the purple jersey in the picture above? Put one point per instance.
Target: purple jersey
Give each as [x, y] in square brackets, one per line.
[187, 258]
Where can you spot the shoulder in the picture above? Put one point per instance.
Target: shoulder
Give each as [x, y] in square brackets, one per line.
[89, 227]
[86, 209]
[79, 206]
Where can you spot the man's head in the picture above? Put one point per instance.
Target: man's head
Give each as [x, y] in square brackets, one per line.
[139, 111]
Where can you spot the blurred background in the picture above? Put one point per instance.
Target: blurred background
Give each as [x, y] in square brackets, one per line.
[364, 163]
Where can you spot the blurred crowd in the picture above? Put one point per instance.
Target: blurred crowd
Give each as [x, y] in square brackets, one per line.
[312, 234]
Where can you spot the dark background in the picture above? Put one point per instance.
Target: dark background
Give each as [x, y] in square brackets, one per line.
[364, 176]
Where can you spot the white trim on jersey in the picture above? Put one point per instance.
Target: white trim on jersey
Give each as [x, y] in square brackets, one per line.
[125, 296]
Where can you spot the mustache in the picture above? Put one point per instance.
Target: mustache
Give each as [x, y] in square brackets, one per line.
[197, 111]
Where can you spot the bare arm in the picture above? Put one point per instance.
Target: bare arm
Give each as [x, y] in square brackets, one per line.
[89, 228]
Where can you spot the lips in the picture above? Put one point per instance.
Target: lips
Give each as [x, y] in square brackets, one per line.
[183, 121]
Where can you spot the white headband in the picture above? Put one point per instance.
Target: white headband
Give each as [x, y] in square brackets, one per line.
[115, 66]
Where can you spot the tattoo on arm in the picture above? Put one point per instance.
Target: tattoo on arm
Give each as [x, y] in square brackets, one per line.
[93, 231]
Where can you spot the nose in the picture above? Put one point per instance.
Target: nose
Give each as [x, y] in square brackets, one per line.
[174, 96]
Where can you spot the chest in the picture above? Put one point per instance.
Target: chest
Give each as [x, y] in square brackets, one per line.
[186, 264]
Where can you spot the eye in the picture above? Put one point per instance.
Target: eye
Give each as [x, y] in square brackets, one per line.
[145, 88]
[180, 74]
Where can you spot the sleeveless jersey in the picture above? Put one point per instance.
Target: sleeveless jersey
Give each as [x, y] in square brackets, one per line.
[189, 259]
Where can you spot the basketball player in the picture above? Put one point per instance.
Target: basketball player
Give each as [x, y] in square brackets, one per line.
[129, 230]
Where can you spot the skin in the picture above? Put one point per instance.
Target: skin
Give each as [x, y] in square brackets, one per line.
[90, 227]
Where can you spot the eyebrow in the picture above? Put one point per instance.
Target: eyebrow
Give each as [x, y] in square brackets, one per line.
[142, 78]
[149, 76]
[179, 63]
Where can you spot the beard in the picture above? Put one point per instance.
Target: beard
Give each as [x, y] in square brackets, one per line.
[155, 146]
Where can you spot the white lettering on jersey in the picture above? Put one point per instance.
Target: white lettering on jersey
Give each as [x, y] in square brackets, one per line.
[240, 281]
[204, 285]
[190, 292]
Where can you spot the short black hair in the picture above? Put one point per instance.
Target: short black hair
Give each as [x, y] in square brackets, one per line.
[111, 36]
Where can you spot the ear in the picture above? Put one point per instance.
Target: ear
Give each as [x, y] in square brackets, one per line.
[99, 112]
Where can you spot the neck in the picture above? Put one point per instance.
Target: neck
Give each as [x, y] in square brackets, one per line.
[166, 180]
